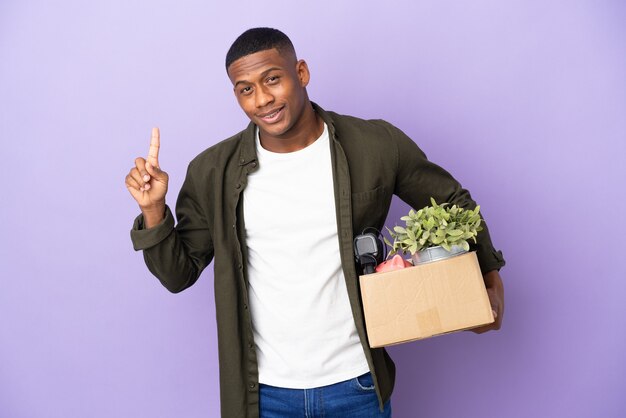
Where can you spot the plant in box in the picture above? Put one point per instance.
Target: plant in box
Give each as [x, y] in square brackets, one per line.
[435, 232]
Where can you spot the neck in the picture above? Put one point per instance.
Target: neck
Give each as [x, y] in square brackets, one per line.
[306, 130]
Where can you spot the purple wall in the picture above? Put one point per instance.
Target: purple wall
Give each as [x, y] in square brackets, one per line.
[523, 101]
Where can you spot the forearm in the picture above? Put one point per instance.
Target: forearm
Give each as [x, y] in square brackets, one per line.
[494, 281]
[175, 255]
[420, 179]
[170, 262]
[153, 216]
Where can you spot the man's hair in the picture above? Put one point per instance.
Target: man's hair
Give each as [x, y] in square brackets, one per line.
[256, 40]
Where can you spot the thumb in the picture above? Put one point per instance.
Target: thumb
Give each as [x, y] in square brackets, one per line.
[154, 172]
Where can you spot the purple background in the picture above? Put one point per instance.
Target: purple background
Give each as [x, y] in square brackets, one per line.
[523, 101]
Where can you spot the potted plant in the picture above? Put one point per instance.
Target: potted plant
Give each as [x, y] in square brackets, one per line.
[435, 232]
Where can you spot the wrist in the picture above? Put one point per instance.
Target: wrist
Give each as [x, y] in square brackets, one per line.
[152, 216]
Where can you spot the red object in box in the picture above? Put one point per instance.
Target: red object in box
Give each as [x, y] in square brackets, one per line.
[395, 263]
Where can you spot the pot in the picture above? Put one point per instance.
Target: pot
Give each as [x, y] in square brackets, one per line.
[437, 253]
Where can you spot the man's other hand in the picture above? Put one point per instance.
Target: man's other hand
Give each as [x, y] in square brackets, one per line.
[147, 183]
[495, 291]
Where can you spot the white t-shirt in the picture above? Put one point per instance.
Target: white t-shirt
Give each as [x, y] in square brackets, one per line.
[301, 318]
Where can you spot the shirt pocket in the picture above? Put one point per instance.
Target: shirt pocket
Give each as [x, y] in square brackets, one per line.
[369, 208]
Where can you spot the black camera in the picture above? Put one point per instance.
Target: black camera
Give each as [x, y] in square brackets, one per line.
[368, 251]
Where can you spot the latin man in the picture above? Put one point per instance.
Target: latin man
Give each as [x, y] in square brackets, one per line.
[276, 207]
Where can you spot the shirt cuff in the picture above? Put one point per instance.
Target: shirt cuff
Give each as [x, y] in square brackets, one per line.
[145, 238]
[491, 261]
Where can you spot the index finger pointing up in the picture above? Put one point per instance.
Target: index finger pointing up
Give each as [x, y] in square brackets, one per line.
[155, 143]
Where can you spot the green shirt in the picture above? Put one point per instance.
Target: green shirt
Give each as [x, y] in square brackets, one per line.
[372, 160]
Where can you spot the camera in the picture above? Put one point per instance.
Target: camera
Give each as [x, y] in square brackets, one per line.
[368, 251]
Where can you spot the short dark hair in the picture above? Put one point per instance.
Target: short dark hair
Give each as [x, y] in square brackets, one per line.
[256, 40]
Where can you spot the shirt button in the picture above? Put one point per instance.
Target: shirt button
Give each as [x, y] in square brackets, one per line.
[250, 345]
[253, 164]
[245, 307]
[242, 161]
[240, 266]
[238, 186]
[252, 385]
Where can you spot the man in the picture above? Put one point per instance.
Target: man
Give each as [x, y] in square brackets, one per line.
[276, 207]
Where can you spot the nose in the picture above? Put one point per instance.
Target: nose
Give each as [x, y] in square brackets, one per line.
[263, 97]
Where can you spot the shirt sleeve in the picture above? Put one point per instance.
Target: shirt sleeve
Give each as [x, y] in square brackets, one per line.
[177, 254]
[418, 180]
[143, 238]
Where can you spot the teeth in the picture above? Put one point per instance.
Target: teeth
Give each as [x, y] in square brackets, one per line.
[271, 115]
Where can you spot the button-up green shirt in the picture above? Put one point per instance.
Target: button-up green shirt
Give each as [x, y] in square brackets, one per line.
[372, 160]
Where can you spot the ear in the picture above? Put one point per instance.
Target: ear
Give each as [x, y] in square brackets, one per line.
[302, 70]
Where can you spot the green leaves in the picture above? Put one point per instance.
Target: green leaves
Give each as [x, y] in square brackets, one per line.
[438, 224]
[399, 230]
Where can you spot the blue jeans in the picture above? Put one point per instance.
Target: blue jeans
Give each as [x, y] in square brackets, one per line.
[353, 398]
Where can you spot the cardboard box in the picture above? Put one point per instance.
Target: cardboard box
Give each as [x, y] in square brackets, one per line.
[425, 300]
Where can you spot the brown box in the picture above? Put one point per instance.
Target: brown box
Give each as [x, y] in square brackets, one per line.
[425, 300]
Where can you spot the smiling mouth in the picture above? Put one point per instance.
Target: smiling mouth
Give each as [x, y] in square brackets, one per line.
[272, 116]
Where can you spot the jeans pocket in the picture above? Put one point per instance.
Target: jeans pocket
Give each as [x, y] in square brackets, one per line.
[365, 382]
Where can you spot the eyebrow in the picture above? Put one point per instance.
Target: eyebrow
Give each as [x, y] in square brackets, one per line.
[263, 74]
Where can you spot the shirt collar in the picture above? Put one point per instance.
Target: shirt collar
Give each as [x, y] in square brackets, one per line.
[247, 152]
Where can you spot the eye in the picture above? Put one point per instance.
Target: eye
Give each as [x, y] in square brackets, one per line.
[245, 90]
[273, 79]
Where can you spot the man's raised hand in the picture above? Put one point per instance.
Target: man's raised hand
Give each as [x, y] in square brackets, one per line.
[147, 183]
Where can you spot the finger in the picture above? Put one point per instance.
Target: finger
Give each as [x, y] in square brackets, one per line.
[497, 317]
[136, 194]
[495, 325]
[500, 316]
[138, 177]
[152, 170]
[155, 144]
[143, 188]
[140, 164]
[494, 301]
[133, 188]
[481, 330]
[484, 328]
[131, 182]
